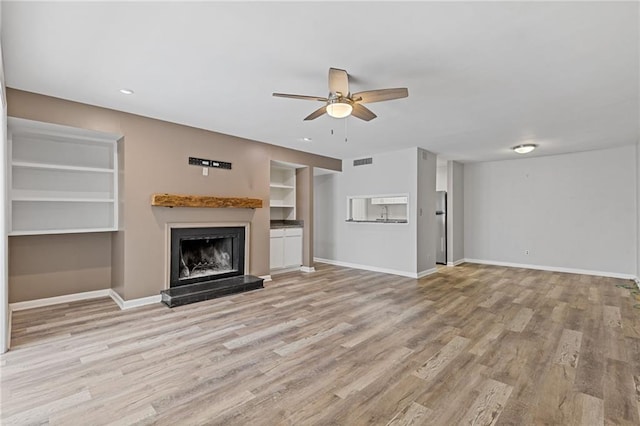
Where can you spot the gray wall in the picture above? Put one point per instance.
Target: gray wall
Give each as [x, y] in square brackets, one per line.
[571, 211]
[638, 210]
[455, 212]
[426, 217]
[384, 246]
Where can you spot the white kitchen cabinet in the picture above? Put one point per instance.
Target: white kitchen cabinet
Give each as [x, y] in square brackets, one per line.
[389, 200]
[293, 247]
[277, 251]
[62, 179]
[286, 248]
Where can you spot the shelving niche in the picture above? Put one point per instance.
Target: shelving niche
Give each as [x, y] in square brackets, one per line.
[283, 192]
[62, 180]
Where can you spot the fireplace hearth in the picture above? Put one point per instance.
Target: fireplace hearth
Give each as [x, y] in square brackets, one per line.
[205, 263]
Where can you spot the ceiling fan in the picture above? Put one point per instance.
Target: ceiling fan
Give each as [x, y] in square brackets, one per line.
[341, 102]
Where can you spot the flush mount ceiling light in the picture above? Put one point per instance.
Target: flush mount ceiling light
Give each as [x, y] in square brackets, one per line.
[126, 91]
[525, 148]
[339, 108]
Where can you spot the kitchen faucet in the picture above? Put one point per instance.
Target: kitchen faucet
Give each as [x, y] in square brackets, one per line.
[384, 213]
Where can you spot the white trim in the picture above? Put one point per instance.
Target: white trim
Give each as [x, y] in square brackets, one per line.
[427, 272]
[456, 263]
[368, 268]
[283, 270]
[38, 303]
[133, 303]
[9, 327]
[637, 281]
[553, 269]
[266, 278]
[307, 269]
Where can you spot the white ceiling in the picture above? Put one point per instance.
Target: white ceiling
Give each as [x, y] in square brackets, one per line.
[482, 77]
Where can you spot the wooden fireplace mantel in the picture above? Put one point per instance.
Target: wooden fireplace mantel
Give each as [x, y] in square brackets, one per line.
[177, 200]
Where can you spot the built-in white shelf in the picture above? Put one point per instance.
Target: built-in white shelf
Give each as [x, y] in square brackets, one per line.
[64, 200]
[61, 231]
[283, 192]
[28, 165]
[286, 206]
[62, 179]
[280, 186]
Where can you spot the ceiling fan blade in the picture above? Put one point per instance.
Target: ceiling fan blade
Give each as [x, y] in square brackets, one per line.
[362, 112]
[338, 81]
[304, 97]
[380, 95]
[317, 113]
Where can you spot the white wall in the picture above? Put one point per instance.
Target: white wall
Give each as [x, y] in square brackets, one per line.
[442, 177]
[387, 247]
[575, 211]
[455, 212]
[426, 209]
[4, 281]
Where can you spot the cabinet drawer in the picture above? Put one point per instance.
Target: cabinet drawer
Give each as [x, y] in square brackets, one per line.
[293, 232]
[277, 233]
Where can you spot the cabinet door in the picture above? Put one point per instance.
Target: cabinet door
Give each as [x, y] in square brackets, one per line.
[293, 250]
[277, 252]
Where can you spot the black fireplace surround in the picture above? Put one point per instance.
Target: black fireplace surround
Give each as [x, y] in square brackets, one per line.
[207, 263]
[206, 254]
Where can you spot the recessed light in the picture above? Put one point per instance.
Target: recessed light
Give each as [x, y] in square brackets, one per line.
[126, 91]
[306, 139]
[525, 148]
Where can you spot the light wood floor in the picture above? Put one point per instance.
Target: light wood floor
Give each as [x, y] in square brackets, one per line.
[469, 345]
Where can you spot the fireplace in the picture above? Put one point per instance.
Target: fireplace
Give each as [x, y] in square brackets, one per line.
[206, 254]
[206, 261]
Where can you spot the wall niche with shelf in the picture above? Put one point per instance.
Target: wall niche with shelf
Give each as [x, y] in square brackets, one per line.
[282, 187]
[62, 179]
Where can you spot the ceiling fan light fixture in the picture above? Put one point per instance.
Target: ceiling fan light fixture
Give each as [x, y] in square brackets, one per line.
[339, 108]
[525, 148]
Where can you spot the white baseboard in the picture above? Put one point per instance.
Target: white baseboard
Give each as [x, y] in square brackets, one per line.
[637, 281]
[10, 315]
[38, 303]
[133, 303]
[87, 295]
[427, 272]
[284, 270]
[456, 263]
[372, 268]
[307, 269]
[266, 278]
[553, 269]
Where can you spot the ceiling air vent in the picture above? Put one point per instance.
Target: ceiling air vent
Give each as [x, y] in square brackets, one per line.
[363, 161]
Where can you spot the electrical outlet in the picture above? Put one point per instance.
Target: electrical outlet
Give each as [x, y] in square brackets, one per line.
[526, 252]
[205, 171]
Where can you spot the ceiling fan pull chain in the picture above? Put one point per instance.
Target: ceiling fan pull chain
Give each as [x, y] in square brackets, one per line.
[345, 130]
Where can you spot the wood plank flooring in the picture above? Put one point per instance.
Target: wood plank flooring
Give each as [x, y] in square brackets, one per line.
[473, 344]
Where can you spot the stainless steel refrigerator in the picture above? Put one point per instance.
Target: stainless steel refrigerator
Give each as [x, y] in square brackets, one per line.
[441, 227]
